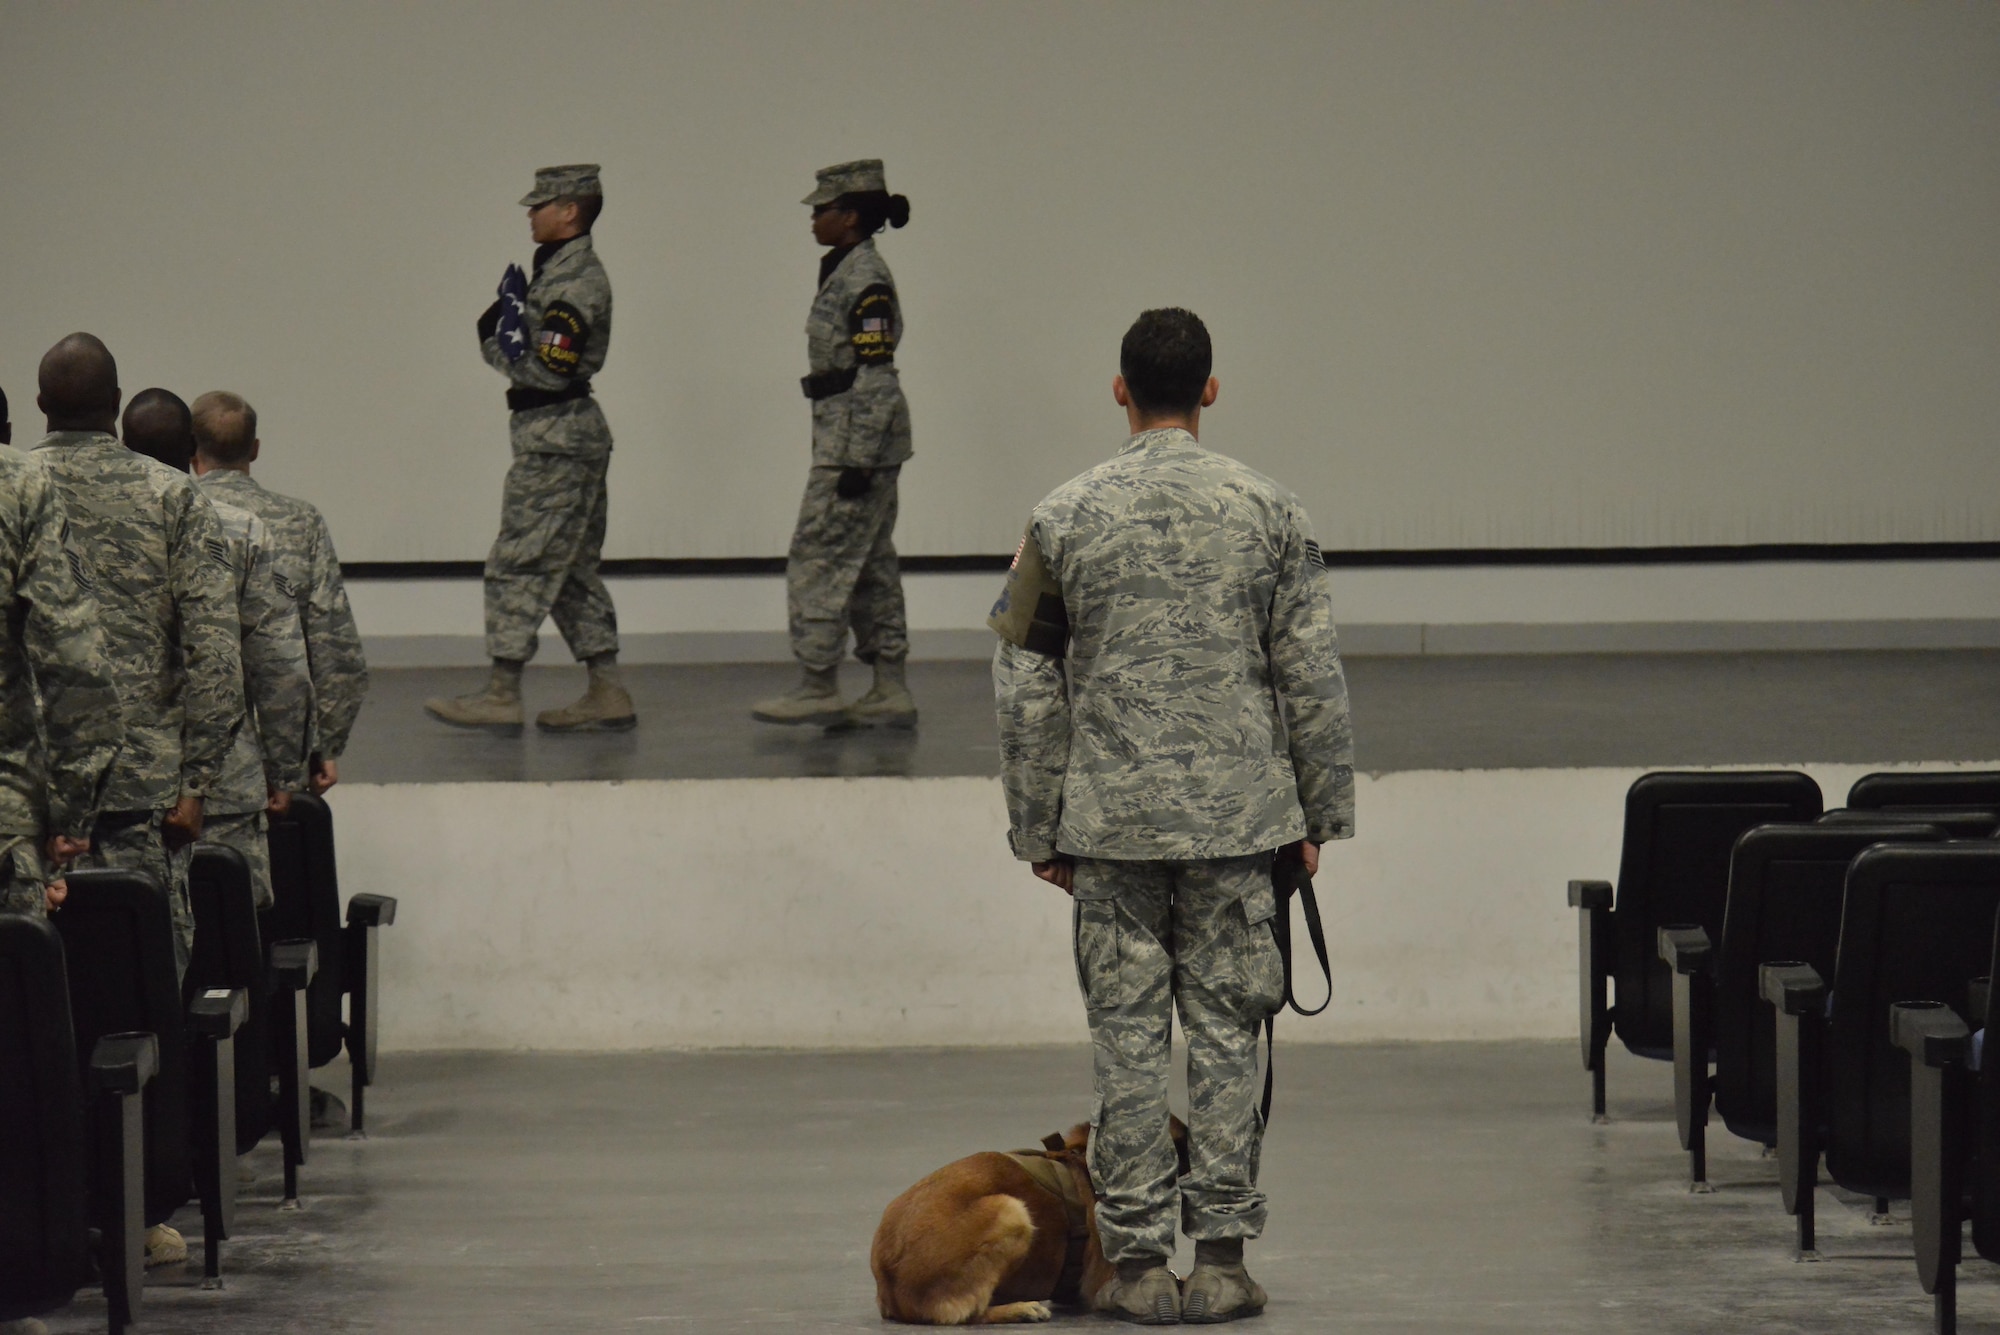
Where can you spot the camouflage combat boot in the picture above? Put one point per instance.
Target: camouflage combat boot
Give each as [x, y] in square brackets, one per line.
[888, 703]
[1220, 1289]
[605, 706]
[1144, 1293]
[495, 709]
[816, 699]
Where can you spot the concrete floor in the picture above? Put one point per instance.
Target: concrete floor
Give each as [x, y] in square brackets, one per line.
[1503, 712]
[1448, 1187]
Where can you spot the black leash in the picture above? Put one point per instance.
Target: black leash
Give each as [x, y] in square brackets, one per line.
[1289, 878]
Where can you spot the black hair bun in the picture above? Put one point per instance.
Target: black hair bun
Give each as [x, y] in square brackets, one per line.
[899, 210]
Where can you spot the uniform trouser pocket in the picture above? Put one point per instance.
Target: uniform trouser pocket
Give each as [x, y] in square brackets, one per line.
[1094, 936]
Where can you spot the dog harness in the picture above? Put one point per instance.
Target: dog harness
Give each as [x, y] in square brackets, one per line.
[1062, 1173]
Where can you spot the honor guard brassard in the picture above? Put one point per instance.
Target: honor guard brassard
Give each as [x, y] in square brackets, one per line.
[871, 325]
[1031, 614]
[563, 337]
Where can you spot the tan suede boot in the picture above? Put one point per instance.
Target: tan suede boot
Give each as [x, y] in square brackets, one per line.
[888, 703]
[1144, 1293]
[495, 709]
[606, 706]
[1219, 1288]
[816, 699]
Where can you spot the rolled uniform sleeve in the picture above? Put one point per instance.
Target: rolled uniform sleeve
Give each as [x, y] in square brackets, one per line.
[275, 671]
[210, 641]
[1311, 687]
[333, 645]
[65, 649]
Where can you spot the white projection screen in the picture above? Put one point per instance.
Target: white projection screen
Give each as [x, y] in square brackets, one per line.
[1479, 274]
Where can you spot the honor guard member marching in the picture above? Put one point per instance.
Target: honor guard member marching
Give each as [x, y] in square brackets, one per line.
[1172, 710]
[304, 566]
[59, 718]
[549, 336]
[841, 572]
[149, 548]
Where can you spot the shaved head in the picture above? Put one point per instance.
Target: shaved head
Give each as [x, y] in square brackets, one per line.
[158, 425]
[225, 429]
[79, 385]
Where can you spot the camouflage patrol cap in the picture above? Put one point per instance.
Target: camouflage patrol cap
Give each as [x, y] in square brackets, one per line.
[578, 178]
[848, 178]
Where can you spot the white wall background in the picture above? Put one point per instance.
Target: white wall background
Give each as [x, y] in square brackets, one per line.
[876, 912]
[1499, 274]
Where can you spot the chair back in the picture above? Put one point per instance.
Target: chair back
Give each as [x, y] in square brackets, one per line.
[1680, 829]
[305, 886]
[228, 954]
[1786, 886]
[44, 1212]
[1916, 925]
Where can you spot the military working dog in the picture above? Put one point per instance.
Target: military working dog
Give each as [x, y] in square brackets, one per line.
[997, 1238]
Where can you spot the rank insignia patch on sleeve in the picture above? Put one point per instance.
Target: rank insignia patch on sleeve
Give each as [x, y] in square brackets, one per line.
[563, 337]
[1314, 555]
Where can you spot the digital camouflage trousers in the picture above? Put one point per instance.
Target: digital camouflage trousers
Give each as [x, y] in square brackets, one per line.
[544, 562]
[842, 574]
[1150, 936]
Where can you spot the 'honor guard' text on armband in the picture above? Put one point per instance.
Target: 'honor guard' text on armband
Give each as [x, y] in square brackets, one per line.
[871, 325]
[1031, 614]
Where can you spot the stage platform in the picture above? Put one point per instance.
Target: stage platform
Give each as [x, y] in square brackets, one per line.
[1417, 1188]
[1410, 713]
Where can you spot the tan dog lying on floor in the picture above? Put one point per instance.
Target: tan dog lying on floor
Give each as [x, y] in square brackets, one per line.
[996, 1238]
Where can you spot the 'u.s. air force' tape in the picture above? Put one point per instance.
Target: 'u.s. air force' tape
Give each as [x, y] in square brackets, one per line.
[1030, 613]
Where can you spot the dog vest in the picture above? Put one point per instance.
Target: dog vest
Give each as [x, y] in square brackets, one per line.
[1063, 1175]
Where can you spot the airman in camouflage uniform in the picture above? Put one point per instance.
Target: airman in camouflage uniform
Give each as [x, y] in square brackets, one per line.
[549, 337]
[842, 570]
[150, 549]
[304, 567]
[55, 750]
[268, 763]
[1172, 710]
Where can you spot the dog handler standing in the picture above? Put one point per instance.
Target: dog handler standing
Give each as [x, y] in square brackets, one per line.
[1172, 711]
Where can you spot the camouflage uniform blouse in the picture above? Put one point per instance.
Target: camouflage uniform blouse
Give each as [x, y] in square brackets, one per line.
[568, 332]
[855, 325]
[150, 550]
[271, 749]
[53, 753]
[306, 569]
[1204, 714]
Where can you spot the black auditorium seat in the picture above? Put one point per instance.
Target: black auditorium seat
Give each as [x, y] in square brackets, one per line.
[1916, 925]
[117, 934]
[1927, 790]
[1673, 872]
[1954, 1135]
[305, 882]
[1786, 883]
[44, 1215]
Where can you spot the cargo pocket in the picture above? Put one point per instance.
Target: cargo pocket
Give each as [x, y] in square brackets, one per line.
[1094, 937]
[1263, 966]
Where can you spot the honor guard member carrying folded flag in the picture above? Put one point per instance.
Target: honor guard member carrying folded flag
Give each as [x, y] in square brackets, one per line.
[841, 572]
[548, 335]
[1172, 710]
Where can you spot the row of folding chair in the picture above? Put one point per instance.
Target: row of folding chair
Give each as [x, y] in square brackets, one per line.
[245, 1013]
[1790, 949]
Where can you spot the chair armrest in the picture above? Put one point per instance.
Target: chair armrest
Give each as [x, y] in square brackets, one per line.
[371, 911]
[1929, 1031]
[294, 963]
[124, 1063]
[1795, 989]
[219, 1012]
[1590, 894]
[1686, 949]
